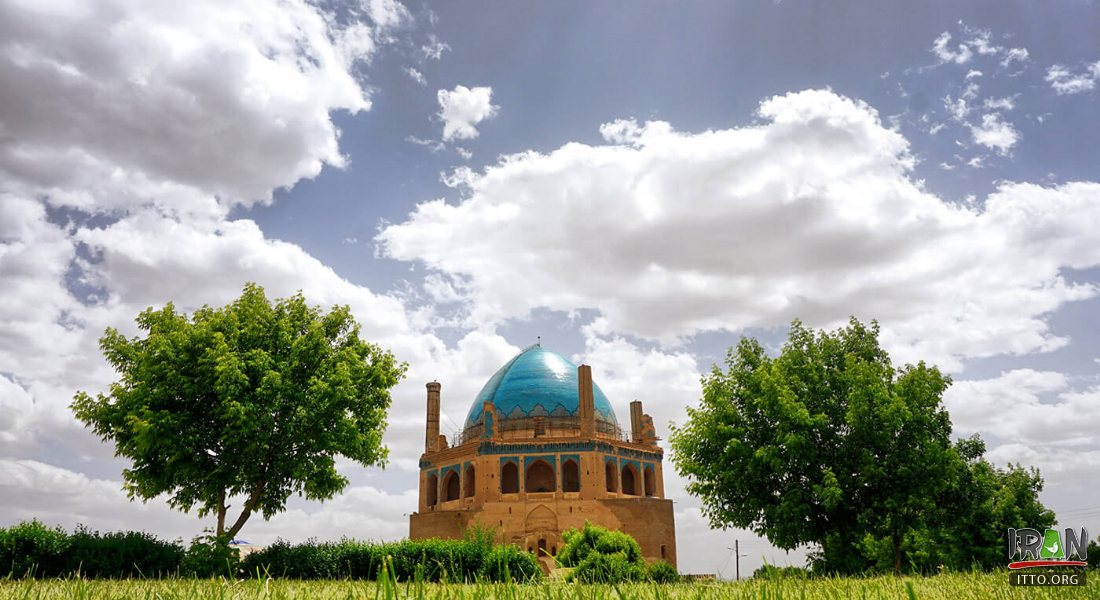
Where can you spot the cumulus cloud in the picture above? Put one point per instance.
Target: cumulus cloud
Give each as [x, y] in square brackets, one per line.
[1067, 82]
[131, 100]
[994, 133]
[462, 108]
[810, 214]
[128, 133]
[1037, 418]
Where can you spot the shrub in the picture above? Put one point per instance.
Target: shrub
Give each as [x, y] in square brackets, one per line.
[120, 554]
[772, 572]
[210, 556]
[601, 556]
[30, 549]
[509, 563]
[608, 568]
[662, 572]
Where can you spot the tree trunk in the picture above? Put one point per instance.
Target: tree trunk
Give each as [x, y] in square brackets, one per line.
[222, 508]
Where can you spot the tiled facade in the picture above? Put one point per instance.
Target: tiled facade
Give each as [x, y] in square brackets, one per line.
[531, 475]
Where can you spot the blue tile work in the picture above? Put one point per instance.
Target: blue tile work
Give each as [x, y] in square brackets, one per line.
[548, 459]
[443, 472]
[537, 382]
[543, 447]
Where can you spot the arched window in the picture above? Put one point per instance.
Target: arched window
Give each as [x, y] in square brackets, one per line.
[433, 489]
[468, 484]
[450, 486]
[650, 483]
[570, 476]
[629, 480]
[609, 474]
[509, 478]
[540, 477]
[542, 547]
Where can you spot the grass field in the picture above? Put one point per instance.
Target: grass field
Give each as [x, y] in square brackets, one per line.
[985, 585]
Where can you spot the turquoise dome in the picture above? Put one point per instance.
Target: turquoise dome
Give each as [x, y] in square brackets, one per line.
[537, 382]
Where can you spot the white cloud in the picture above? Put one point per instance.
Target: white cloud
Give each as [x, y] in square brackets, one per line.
[1014, 55]
[131, 100]
[1066, 82]
[995, 134]
[960, 54]
[433, 49]
[811, 214]
[1006, 103]
[1040, 419]
[416, 76]
[462, 108]
[154, 120]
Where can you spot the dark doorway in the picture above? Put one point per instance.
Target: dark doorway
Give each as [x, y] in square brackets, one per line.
[509, 478]
[570, 477]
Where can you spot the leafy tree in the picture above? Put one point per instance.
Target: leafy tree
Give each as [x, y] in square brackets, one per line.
[968, 528]
[825, 444]
[252, 400]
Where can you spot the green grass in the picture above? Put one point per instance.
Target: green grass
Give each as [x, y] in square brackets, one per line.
[954, 586]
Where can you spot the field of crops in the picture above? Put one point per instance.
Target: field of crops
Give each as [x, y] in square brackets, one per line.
[977, 586]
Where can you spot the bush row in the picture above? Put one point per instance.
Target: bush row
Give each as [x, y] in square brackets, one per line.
[31, 549]
[409, 560]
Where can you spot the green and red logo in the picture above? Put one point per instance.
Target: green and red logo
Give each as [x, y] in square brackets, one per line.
[1046, 549]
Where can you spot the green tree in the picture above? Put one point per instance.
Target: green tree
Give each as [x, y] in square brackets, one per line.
[250, 401]
[825, 444]
[981, 502]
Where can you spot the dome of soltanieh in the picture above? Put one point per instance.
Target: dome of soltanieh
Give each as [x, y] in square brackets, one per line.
[537, 382]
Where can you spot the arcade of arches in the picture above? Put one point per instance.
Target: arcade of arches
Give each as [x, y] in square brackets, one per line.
[531, 469]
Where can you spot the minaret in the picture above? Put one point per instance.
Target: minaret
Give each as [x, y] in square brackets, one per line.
[431, 433]
[636, 421]
[586, 409]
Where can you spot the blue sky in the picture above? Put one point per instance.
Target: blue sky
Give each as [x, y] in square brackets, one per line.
[640, 184]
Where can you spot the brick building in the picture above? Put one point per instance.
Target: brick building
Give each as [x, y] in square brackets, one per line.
[541, 451]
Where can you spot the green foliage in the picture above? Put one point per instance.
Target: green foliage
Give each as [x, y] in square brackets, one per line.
[210, 556]
[599, 555]
[1093, 554]
[829, 444]
[986, 586]
[579, 543]
[967, 531]
[466, 560]
[767, 571]
[30, 549]
[252, 400]
[509, 563]
[662, 572]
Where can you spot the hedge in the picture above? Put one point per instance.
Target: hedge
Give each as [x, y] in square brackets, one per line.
[31, 549]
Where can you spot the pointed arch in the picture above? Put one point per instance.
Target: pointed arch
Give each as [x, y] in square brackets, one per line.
[509, 478]
[451, 486]
[469, 482]
[629, 480]
[540, 477]
[570, 476]
[612, 477]
[650, 482]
